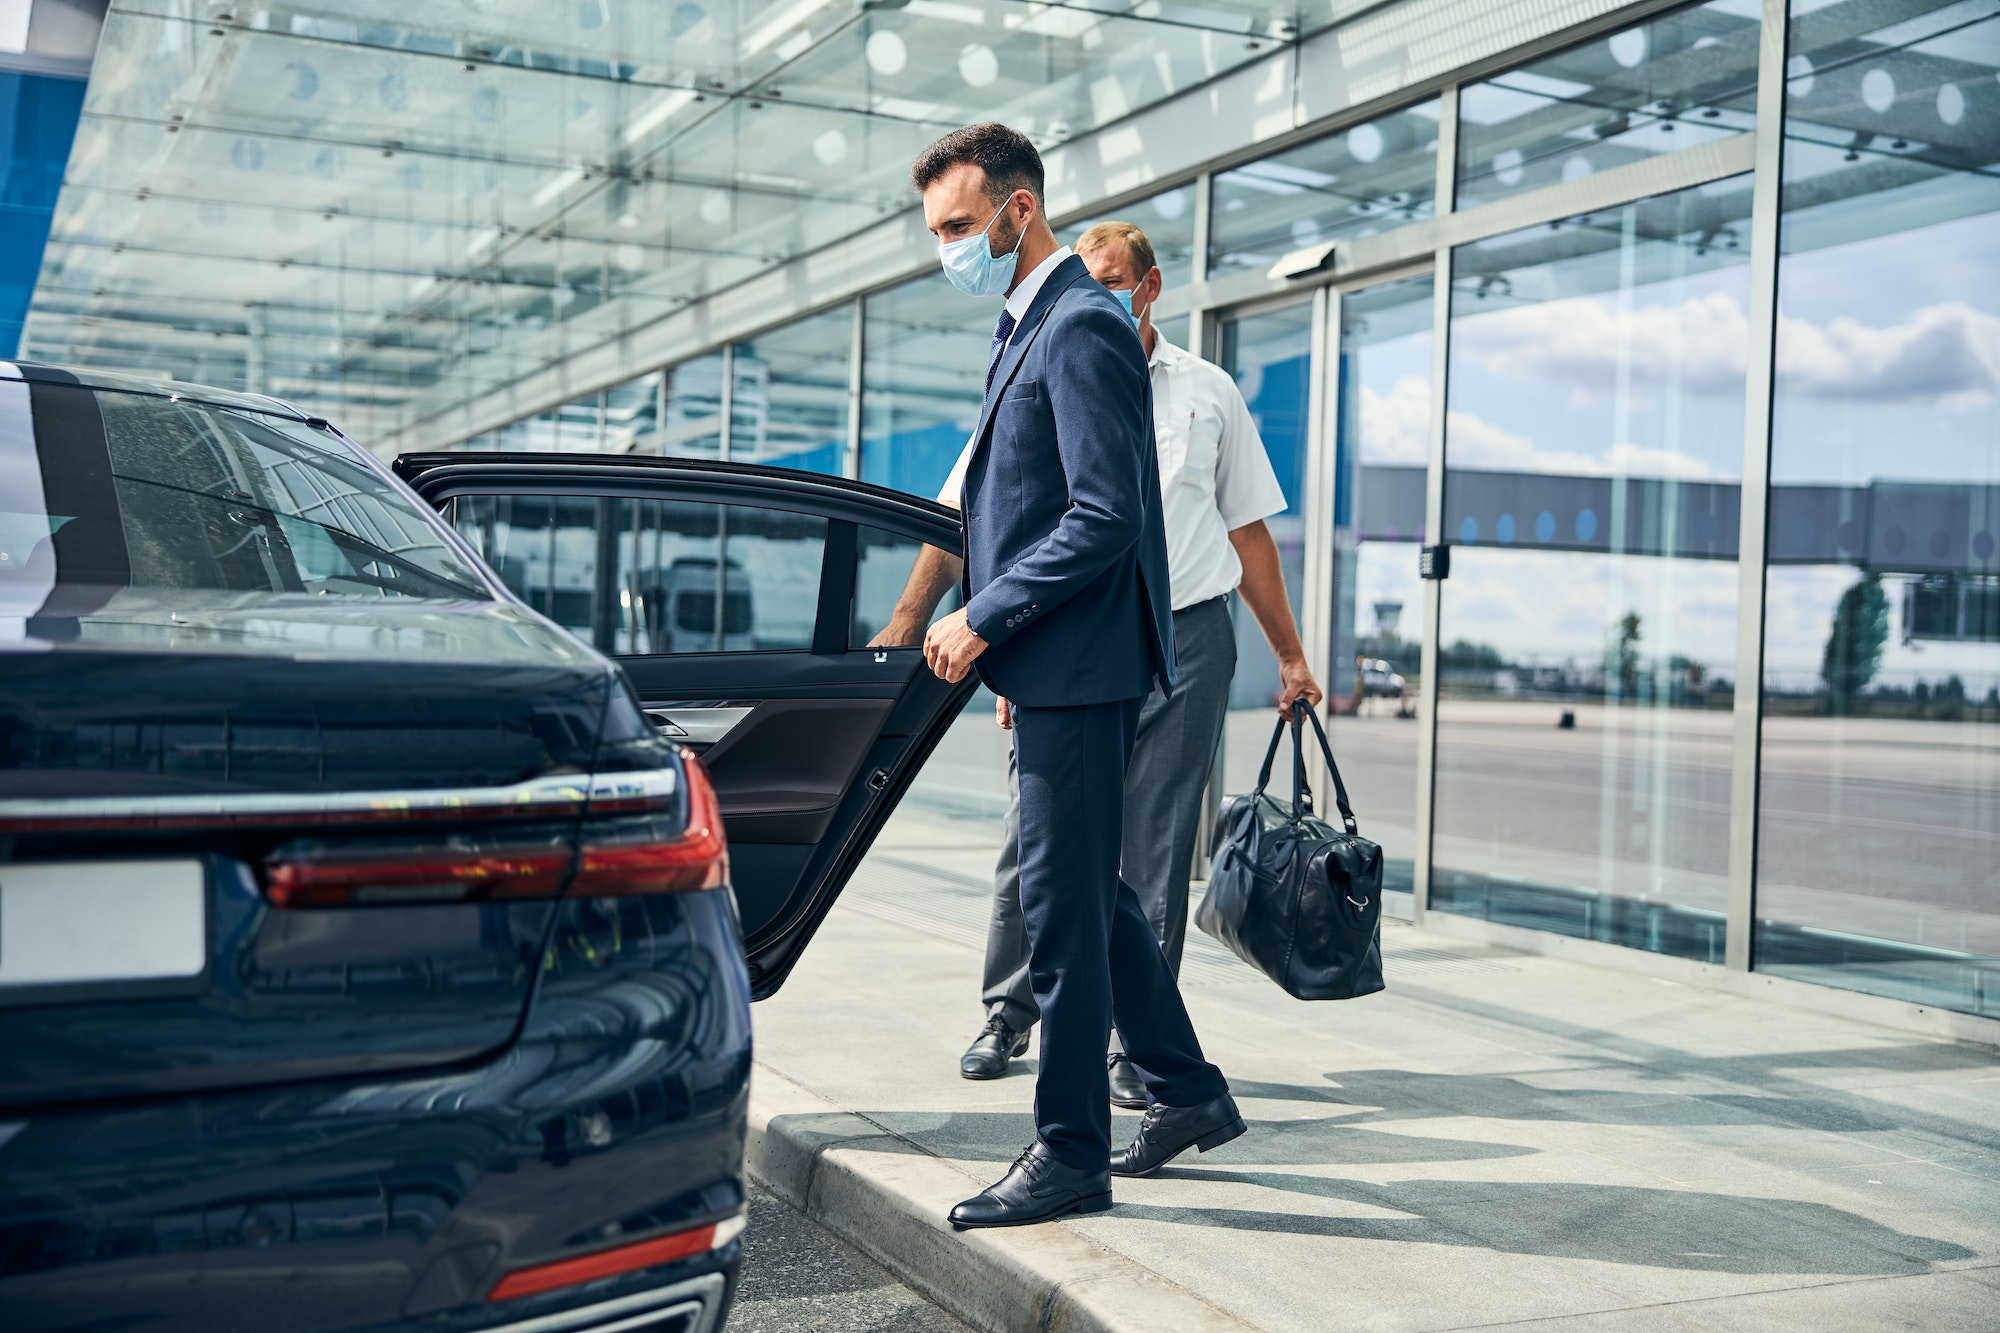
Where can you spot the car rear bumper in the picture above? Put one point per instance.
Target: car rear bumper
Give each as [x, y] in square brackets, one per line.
[617, 1115]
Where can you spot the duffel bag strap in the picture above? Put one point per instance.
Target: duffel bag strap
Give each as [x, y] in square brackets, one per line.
[1270, 755]
[1301, 707]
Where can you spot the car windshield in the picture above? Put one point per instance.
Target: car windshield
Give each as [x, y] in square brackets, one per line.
[128, 490]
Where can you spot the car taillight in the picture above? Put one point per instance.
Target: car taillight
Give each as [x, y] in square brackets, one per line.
[641, 846]
[624, 1259]
[313, 872]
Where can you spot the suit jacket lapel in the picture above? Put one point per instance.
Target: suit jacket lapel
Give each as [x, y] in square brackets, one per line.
[1065, 274]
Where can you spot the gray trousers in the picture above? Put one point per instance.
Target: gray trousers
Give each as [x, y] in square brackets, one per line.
[1170, 762]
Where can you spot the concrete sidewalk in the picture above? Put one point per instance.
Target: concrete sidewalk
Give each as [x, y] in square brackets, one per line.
[1501, 1138]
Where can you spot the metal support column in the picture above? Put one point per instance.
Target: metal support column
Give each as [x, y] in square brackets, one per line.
[850, 462]
[1319, 593]
[1427, 707]
[1199, 322]
[1765, 200]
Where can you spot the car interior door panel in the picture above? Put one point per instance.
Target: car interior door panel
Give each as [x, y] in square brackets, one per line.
[740, 601]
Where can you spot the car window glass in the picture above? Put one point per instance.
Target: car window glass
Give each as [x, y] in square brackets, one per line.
[885, 561]
[652, 577]
[142, 491]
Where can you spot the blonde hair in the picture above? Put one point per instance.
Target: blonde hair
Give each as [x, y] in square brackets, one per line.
[1126, 234]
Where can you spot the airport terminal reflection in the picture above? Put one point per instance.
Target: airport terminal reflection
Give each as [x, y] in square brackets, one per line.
[1512, 304]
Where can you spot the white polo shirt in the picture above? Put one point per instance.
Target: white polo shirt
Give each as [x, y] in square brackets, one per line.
[1214, 474]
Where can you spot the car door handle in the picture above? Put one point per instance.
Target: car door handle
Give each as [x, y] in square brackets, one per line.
[698, 726]
[666, 725]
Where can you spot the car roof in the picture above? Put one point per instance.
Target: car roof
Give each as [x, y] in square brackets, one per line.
[37, 372]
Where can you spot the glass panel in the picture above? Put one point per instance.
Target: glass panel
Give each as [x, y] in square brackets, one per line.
[1174, 330]
[1382, 450]
[1879, 800]
[790, 408]
[1587, 642]
[645, 577]
[632, 416]
[1270, 355]
[1368, 178]
[691, 410]
[1685, 78]
[1168, 221]
[923, 379]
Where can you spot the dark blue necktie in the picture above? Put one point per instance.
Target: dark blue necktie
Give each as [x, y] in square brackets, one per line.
[1001, 333]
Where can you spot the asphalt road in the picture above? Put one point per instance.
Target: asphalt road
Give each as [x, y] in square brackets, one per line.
[797, 1278]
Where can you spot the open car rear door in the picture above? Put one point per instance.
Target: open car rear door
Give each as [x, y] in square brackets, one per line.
[740, 601]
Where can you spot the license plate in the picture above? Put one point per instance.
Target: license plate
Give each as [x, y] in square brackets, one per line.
[102, 921]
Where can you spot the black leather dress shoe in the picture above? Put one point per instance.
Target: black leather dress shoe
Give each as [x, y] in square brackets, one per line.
[1168, 1131]
[989, 1053]
[1127, 1088]
[1037, 1188]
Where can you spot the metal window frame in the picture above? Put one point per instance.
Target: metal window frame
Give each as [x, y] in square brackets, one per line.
[1752, 555]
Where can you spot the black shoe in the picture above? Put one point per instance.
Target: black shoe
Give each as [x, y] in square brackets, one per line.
[1168, 1131]
[1037, 1188]
[1127, 1088]
[988, 1055]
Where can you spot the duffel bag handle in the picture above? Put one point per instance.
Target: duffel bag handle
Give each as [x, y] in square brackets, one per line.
[1270, 755]
[1301, 792]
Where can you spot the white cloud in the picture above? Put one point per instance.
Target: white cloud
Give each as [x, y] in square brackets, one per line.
[1950, 350]
[1583, 341]
[1396, 426]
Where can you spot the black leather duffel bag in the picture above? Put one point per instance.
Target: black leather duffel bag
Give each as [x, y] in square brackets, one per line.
[1296, 898]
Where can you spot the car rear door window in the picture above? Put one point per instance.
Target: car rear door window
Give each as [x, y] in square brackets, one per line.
[646, 578]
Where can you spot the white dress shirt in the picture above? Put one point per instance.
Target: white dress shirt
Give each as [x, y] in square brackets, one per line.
[1214, 474]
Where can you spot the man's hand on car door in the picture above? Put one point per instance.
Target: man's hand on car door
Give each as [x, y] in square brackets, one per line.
[951, 646]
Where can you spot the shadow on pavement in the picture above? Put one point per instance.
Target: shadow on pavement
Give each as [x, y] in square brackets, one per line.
[1617, 1224]
[999, 1136]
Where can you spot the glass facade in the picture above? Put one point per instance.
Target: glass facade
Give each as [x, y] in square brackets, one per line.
[791, 403]
[1168, 221]
[923, 375]
[1688, 77]
[1368, 178]
[1879, 800]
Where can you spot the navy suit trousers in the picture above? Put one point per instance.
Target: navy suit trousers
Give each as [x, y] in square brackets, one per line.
[1092, 953]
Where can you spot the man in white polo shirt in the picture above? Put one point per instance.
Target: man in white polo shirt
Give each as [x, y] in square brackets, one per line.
[1218, 488]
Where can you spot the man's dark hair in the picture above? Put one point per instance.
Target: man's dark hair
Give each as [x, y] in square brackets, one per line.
[1006, 156]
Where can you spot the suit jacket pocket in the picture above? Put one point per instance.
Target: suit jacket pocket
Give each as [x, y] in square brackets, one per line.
[1022, 391]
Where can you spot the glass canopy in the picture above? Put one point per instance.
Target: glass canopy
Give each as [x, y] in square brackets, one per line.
[378, 210]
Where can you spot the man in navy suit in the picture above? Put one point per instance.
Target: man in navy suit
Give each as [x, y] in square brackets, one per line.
[1066, 616]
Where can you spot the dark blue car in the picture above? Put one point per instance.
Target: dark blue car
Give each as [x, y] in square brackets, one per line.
[371, 954]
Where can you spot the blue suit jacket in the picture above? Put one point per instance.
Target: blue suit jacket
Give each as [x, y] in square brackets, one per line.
[1066, 550]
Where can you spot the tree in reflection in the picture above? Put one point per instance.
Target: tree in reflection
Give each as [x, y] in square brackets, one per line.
[1624, 655]
[1854, 647]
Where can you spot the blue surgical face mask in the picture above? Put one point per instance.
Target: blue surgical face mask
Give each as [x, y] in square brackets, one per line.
[973, 268]
[1125, 299]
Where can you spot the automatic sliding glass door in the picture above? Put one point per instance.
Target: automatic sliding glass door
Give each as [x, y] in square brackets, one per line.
[1587, 630]
[1270, 355]
[1381, 444]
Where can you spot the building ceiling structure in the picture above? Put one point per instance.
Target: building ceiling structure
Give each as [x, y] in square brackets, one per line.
[379, 210]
